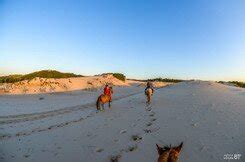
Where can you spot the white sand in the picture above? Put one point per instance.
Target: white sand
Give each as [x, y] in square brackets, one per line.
[208, 117]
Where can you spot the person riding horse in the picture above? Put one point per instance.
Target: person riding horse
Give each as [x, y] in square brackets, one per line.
[149, 85]
[107, 91]
[104, 98]
[149, 90]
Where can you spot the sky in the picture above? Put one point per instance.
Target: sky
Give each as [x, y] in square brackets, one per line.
[191, 39]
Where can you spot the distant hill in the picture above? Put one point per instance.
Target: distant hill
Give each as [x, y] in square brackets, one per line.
[41, 74]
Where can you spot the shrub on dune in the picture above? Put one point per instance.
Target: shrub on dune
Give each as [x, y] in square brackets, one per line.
[119, 76]
[41, 74]
[238, 84]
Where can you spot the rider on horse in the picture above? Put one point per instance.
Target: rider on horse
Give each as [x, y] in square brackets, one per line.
[107, 90]
[104, 98]
[149, 85]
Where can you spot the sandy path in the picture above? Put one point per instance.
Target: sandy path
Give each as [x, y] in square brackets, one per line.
[40, 115]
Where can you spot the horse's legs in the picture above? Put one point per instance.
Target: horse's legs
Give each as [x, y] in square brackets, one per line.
[98, 106]
[148, 99]
[103, 106]
[109, 104]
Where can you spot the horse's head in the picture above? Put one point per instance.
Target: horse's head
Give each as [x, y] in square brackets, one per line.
[168, 153]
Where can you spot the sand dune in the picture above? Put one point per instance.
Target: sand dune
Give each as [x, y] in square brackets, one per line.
[208, 117]
[44, 85]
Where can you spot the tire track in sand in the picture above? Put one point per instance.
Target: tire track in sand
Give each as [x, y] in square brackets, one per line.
[41, 115]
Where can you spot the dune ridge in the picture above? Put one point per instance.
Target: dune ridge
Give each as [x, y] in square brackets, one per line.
[50, 85]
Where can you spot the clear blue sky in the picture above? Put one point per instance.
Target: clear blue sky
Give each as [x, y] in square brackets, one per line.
[201, 39]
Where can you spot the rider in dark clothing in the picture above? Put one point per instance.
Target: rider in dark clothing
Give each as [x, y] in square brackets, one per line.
[149, 85]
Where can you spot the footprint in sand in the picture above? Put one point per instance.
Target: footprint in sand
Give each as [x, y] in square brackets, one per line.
[26, 156]
[147, 130]
[123, 131]
[41, 98]
[136, 138]
[148, 108]
[115, 158]
[151, 130]
[132, 148]
[194, 125]
[202, 148]
[99, 149]
[88, 135]
[152, 114]
[149, 124]
[154, 119]
[58, 147]
[133, 125]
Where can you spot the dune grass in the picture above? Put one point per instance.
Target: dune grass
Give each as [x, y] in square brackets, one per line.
[41, 74]
[119, 76]
[160, 80]
[238, 84]
[235, 83]
[166, 80]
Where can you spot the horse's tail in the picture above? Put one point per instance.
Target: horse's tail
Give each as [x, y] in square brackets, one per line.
[98, 103]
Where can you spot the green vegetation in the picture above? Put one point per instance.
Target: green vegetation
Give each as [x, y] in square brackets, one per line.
[166, 80]
[41, 74]
[160, 80]
[10, 78]
[50, 74]
[119, 76]
[221, 82]
[238, 84]
[235, 83]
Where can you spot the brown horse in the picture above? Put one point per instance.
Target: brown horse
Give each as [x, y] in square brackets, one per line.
[148, 93]
[169, 154]
[102, 99]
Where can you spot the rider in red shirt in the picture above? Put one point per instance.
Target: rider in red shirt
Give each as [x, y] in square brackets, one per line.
[107, 90]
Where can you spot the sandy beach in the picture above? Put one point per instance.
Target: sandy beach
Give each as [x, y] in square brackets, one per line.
[59, 127]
